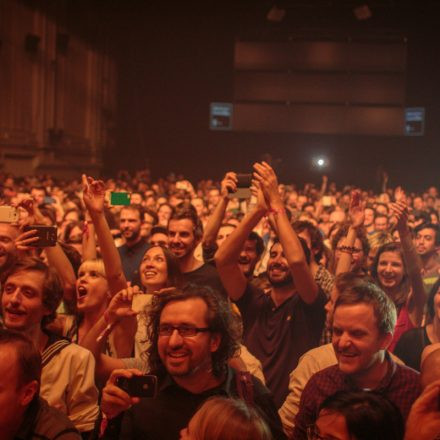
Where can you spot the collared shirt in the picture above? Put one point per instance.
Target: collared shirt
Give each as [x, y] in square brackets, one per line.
[43, 422]
[163, 417]
[131, 258]
[400, 384]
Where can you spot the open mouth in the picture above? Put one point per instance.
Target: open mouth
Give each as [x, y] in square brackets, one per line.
[82, 291]
[15, 312]
[149, 273]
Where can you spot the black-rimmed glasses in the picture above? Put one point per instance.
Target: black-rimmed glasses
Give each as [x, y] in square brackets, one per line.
[186, 331]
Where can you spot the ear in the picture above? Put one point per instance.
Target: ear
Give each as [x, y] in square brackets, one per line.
[386, 341]
[28, 392]
[215, 342]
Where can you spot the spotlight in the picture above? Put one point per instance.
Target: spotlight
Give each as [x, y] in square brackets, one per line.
[276, 14]
[320, 162]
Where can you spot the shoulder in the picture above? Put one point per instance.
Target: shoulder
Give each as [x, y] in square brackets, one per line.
[322, 357]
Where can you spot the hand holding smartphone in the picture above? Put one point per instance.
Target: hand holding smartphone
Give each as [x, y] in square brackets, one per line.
[138, 386]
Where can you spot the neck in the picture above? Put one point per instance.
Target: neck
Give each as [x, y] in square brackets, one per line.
[188, 263]
[429, 261]
[37, 336]
[198, 383]
[370, 378]
[281, 294]
[131, 243]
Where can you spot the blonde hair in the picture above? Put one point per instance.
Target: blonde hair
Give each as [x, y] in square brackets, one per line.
[96, 265]
[222, 418]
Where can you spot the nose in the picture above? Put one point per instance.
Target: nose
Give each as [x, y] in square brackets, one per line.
[344, 341]
[15, 297]
[175, 339]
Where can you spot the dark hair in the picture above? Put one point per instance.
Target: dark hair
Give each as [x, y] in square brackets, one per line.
[52, 292]
[430, 303]
[219, 320]
[316, 239]
[435, 228]
[137, 208]
[405, 284]
[190, 213]
[306, 249]
[369, 293]
[28, 357]
[68, 229]
[158, 230]
[368, 415]
[259, 243]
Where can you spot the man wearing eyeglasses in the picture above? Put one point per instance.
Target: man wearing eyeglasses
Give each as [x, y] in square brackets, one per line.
[193, 336]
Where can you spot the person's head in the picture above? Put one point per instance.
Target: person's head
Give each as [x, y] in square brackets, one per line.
[224, 418]
[381, 222]
[199, 205]
[149, 221]
[159, 268]
[38, 193]
[390, 272]
[359, 253]
[130, 222]
[164, 213]
[250, 254]
[185, 230]
[20, 372]
[192, 333]
[159, 236]
[136, 198]
[418, 203]
[213, 196]
[363, 324]
[224, 232]
[358, 415]
[92, 289]
[31, 293]
[433, 304]
[343, 281]
[73, 234]
[278, 270]
[368, 216]
[312, 235]
[8, 234]
[376, 241]
[427, 239]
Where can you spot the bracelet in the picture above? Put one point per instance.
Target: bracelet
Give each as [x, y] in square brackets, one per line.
[276, 211]
[346, 249]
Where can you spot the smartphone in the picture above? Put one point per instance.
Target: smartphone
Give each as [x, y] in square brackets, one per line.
[138, 386]
[8, 214]
[119, 198]
[244, 182]
[47, 235]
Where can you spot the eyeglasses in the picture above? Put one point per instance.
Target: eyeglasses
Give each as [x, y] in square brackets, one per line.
[313, 434]
[185, 331]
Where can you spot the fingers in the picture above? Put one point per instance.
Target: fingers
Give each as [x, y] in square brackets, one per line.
[123, 372]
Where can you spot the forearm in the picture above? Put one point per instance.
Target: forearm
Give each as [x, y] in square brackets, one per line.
[89, 243]
[346, 257]
[110, 255]
[214, 222]
[230, 250]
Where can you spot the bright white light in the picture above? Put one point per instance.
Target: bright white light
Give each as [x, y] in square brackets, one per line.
[320, 162]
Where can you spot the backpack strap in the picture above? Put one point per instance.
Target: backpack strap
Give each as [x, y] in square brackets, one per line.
[245, 386]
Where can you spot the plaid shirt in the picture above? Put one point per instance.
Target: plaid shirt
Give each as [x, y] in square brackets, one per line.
[401, 385]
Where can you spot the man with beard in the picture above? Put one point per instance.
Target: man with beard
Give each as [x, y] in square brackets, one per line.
[427, 243]
[135, 245]
[281, 326]
[185, 231]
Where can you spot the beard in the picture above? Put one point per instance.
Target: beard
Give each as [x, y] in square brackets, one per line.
[287, 280]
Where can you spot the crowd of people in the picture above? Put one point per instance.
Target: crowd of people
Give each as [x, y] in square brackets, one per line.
[243, 309]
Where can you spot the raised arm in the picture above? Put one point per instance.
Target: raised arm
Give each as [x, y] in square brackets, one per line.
[229, 182]
[356, 213]
[93, 196]
[417, 300]
[292, 248]
[226, 258]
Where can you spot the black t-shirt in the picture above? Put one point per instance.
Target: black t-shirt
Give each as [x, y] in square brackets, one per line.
[163, 417]
[279, 336]
[410, 346]
[205, 275]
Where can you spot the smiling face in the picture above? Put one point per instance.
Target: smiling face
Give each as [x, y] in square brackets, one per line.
[357, 342]
[390, 270]
[22, 300]
[153, 269]
[182, 241]
[425, 241]
[278, 270]
[248, 258]
[92, 291]
[190, 356]
[130, 224]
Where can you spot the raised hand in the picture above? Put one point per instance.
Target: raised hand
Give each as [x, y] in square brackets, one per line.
[120, 305]
[229, 184]
[93, 194]
[400, 210]
[356, 210]
[266, 177]
[23, 242]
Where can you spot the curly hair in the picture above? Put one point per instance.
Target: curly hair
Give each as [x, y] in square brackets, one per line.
[219, 320]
